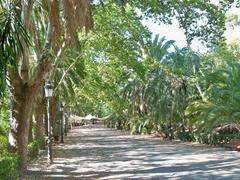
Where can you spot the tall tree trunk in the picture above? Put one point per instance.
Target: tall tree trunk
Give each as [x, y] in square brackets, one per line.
[30, 131]
[54, 117]
[22, 99]
[23, 96]
[39, 119]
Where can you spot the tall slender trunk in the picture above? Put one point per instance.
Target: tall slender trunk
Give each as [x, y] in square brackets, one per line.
[39, 119]
[23, 96]
[30, 131]
[54, 117]
[22, 99]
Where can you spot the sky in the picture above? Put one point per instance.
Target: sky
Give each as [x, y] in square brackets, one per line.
[173, 32]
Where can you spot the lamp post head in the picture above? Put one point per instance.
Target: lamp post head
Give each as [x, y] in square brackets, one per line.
[61, 107]
[48, 90]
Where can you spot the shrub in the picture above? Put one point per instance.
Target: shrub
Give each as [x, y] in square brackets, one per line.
[2, 131]
[9, 166]
[185, 136]
[215, 139]
[219, 139]
[116, 121]
[3, 144]
[33, 149]
[141, 125]
[8, 161]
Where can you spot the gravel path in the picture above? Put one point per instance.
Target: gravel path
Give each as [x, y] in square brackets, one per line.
[96, 152]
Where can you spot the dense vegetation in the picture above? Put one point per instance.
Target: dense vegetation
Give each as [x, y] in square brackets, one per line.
[105, 62]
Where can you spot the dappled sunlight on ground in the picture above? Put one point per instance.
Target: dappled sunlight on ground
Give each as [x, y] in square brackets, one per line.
[95, 152]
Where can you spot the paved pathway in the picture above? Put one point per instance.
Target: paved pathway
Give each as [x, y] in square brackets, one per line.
[95, 152]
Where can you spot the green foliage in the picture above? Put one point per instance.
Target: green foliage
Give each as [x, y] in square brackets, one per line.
[163, 95]
[8, 161]
[140, 125]
[222, 105]
[220, 73]
[3, 144]
[175, 80]
[112, 50]
[189, 15]
[69, 72]
[9, 166]
[33, 149]
[221, 139]
[12, 37]
[4, 115]
[116, 121]
[215, 139]
[185, 136]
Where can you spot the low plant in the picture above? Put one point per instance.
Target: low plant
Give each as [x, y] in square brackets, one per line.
[9, 166]
[33, 149]
[141, 125]
[185, 136]
[3, 144]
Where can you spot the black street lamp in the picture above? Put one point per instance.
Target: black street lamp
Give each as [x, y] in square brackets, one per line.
[65, 124]
[48, 94]
[61, 109]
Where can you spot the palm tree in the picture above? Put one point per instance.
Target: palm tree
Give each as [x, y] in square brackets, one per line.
[148, 97]
[222, 105]
[12, 39]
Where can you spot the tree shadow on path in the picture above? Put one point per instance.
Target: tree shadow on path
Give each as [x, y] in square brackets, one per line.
[95, 152]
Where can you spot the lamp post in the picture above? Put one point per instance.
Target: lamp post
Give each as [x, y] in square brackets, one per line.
[48, 94]
[61, 108]
[66, 124]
